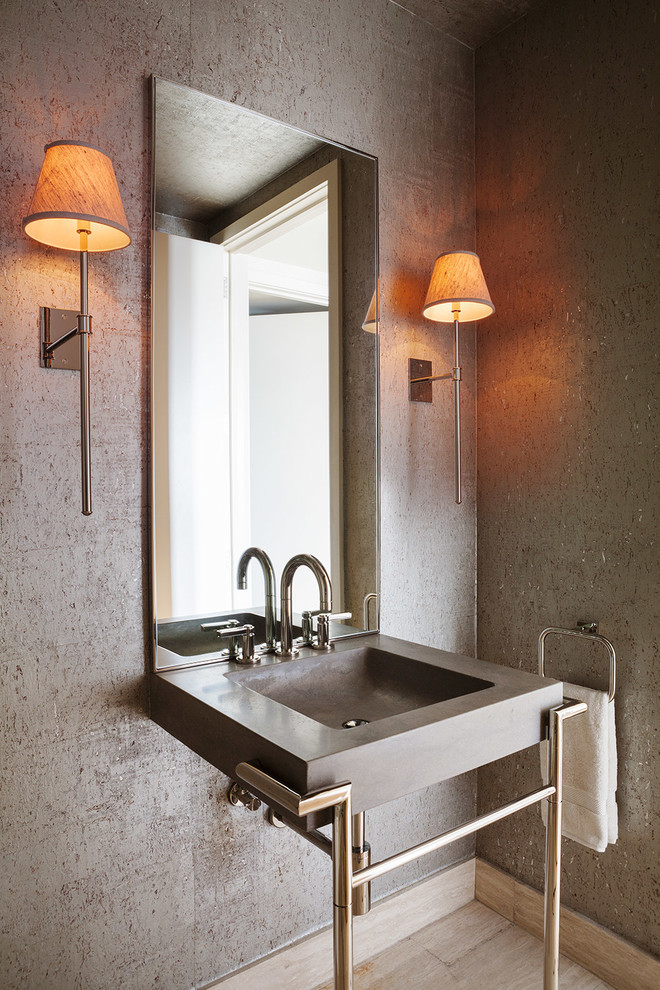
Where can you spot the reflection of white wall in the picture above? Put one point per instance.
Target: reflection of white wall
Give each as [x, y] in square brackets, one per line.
[188, 319]
[289, 398]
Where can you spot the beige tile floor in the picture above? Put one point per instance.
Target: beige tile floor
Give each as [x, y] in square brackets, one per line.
[472, 949]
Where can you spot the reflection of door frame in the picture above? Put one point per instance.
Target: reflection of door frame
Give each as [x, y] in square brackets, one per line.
[287, 282]
[296, 201]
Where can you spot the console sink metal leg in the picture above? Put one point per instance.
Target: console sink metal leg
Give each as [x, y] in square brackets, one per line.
[337, 797]
[557, 717]
[346, 878]
[342, 893]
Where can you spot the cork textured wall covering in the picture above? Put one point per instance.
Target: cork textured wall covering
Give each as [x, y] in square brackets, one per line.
[122, 864]
[567, 199]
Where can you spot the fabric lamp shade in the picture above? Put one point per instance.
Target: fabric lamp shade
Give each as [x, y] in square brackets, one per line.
[457, 278]
[77, 183]
[370, 322]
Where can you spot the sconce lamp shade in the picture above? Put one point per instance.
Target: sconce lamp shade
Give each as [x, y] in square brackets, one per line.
[457, 278]
[77, 183]
[370, 323]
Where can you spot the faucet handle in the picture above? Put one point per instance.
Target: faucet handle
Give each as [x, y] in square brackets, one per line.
[308, 626]
[220, 624]
[323, 620]
[246, 633]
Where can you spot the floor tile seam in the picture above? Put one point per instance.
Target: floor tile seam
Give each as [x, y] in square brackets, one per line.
[411, 941]
[512, 931]
[412, 938]
[567, 965]
[400, 942]
[477, 945]
[362, 963]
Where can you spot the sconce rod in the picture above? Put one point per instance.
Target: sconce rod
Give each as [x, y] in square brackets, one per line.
[457, 416]
[84, 330]
[455, 376]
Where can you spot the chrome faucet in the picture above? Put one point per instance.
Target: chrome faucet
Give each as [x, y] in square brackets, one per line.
[325, 596]
[269, 588]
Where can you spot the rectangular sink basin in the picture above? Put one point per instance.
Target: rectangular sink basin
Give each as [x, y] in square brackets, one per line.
[357, 687]
[422, 715]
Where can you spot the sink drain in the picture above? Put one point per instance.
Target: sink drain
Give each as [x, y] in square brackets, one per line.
[353, 723]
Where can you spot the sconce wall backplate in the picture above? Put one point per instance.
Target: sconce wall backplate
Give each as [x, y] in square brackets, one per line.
[419, 391]
[54, 324]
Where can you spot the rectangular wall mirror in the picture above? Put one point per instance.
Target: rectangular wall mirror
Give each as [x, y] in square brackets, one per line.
[265, 376]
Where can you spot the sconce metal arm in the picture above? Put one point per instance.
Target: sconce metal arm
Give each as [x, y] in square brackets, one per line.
[437, 378]
[49, 347]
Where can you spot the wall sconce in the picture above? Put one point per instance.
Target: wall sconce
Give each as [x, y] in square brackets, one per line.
[77, 207]
[457, 291]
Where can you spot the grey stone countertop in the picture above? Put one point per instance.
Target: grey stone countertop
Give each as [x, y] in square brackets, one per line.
[227, 723]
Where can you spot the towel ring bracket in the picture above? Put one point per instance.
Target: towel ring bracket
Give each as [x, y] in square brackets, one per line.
[582, 633]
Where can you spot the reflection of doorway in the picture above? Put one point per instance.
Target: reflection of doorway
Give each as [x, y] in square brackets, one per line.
[283, 277]
[247, 439]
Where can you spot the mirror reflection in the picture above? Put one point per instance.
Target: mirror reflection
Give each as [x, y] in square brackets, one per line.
[264, 379]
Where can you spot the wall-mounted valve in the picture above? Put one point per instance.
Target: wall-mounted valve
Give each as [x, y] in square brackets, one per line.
[239, 795]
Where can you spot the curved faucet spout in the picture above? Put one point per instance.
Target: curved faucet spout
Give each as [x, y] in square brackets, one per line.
[269, 588]
[325, 596]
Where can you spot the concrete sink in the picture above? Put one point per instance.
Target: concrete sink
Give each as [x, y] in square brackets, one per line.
[356, 687]
[423, 715]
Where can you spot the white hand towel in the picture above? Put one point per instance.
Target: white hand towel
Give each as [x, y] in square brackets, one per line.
[590, 771]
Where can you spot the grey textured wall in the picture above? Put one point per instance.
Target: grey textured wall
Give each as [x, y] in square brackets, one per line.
[567, 227]
[122, 866]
